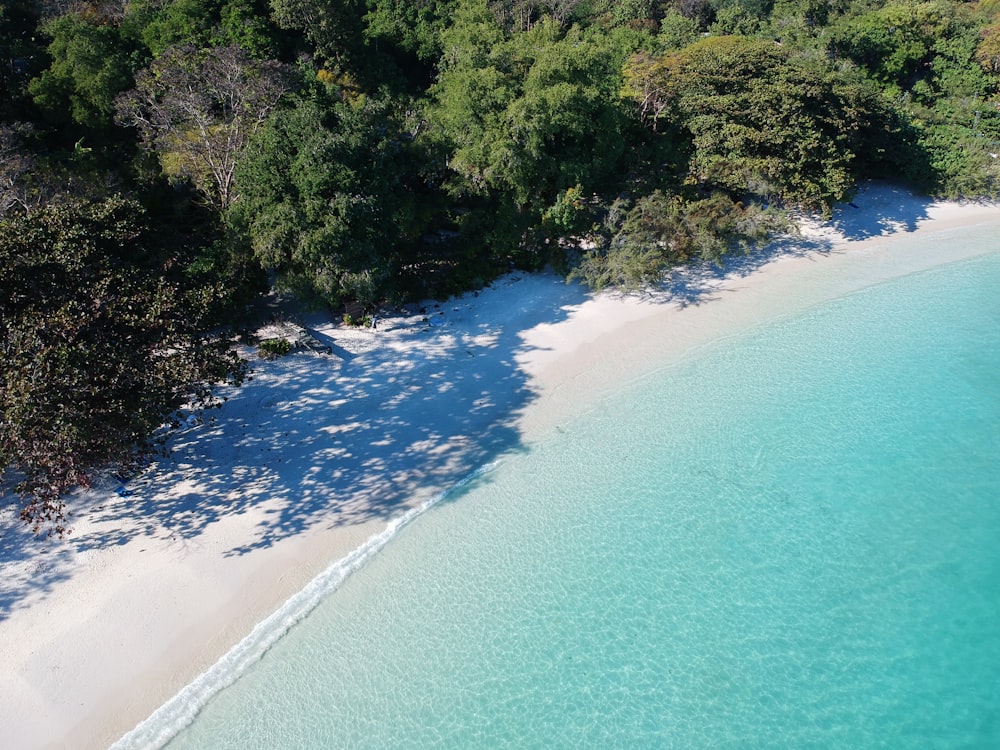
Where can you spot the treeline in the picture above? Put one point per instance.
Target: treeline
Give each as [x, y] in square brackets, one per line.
[376, 149]
[163, 161]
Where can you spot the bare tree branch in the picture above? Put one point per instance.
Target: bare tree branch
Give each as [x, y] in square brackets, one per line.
[197, 108]
[16, 166]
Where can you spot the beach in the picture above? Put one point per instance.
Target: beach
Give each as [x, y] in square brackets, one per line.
[318, 453]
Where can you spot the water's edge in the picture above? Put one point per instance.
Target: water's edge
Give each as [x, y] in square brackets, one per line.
[178, 712]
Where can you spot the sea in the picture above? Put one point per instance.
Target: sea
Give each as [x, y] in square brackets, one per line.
[789, 538]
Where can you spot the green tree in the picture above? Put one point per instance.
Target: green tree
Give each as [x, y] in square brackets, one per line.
[334, 28]
[761, 122]
[895, 42]
[523, 117]
[100, 346]
[641, 240]
[565, 125]
[676, 31]
[522, 15]
[247, 24]
[172, 24]
[414, 25]
[331, 198]
[90, 67]
[203, 23]
[528, 115]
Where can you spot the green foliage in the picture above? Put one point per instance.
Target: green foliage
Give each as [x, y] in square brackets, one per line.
[961, 148]
[90, 67]
[247, 24]
[761, 121]
[203, 23]
[197, 108]
[431, 144]
[330, 199]
[529, 115]
[642, 240]
[414, 25]
[523, 117]
[935, 60]
[630, 12]
[895, 43]
[676, 31]
[569, 215]
[334, 28]
[165, 25]
[471, 171]
[736, 19]
[274, 348]
[953, 70]
[99, 346]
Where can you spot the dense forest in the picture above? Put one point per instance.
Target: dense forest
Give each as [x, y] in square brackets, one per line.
[164, 162]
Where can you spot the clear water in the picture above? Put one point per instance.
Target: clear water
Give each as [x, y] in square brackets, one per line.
[790, 540]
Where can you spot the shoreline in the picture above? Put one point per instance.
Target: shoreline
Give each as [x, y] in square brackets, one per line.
[654, 334]
[318, 454]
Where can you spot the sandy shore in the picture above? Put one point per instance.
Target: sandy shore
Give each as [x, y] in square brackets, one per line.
[318, 453]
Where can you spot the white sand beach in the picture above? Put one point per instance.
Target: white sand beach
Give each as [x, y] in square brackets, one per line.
[318, 453]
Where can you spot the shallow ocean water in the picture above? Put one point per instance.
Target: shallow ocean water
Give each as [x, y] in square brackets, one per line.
[788, 539]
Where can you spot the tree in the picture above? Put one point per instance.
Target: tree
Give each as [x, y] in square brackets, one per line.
[523, 117]
[414, 25]
[332, 199]
[161, 26]
[530, 115]
[565, 126]
[198, 108]
[90, 67]
[100, 346]
[203, 24]
[521, 15]
[16, 168]
[761, 122]
[988, 49]
[640, 240]
[895, 42]
[334, 27]
[32, 176]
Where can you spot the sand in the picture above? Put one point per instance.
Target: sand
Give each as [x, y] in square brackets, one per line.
[320, 454]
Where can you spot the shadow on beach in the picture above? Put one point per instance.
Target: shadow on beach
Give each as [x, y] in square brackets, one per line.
[318, 439]
[887, 209]
[32, 567]
[364, 434]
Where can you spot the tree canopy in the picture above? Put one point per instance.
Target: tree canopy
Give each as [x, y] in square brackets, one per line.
[760, 122]
[100, 345]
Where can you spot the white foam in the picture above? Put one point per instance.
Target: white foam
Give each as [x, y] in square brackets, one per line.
[174, 715]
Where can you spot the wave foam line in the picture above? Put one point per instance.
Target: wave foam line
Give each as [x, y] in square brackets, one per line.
[178, 712]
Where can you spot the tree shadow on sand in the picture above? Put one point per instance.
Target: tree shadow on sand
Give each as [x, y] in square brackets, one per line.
[319, 440]
[31, 567]
[887, 209]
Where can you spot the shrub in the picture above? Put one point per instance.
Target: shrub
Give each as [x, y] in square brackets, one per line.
[274, 348]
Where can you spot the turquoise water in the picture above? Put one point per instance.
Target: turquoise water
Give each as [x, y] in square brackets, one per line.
[789, 540]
